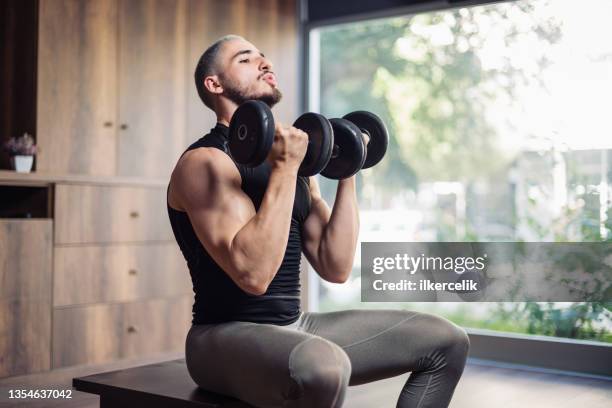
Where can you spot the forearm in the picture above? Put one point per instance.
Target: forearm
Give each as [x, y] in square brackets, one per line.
[339, 240]
[258, 248]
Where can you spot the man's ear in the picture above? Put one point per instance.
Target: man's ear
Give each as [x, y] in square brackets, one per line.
[212, 84]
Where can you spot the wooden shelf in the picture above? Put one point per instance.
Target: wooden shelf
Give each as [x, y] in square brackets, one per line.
[22, 202]
[13, 178]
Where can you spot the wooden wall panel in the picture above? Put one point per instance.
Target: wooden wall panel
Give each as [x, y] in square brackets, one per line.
[153, 49]
[77, 87]
[25, 296]
[271, 25]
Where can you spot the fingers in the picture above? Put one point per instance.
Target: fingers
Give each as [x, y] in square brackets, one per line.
[366, 138]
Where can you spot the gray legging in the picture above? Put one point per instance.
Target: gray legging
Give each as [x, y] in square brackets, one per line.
[310, 363]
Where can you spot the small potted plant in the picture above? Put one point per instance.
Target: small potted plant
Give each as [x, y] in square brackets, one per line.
[21, 151]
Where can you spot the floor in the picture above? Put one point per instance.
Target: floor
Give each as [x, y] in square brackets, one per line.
[482, 386]
[486, 386]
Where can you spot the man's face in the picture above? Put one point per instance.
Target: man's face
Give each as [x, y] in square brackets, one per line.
[245, 73]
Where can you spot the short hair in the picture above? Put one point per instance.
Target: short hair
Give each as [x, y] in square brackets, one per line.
[207, 65]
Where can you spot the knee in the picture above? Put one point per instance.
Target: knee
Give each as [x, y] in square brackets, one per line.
[321, 370]
[453, 339]
[456, 350]
[459, 343]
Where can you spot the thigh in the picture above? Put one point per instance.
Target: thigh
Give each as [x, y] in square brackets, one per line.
[381, 343]
[246, 360]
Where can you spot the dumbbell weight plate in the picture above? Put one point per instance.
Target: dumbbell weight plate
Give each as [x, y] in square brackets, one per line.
[348, 152]
[251, 133]
[376, 129]
[320, 142]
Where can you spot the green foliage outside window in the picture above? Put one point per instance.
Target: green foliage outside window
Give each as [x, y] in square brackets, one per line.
[451, 102]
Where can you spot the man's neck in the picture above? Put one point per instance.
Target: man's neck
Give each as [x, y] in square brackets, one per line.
[223, 121]
[225, 110]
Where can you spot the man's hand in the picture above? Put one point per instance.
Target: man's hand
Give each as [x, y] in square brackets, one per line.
[366, 138]
[289, 146]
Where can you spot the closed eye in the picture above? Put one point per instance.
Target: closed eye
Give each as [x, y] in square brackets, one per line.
[245, 60]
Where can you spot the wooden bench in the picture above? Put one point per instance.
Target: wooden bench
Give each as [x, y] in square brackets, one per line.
[165, 384]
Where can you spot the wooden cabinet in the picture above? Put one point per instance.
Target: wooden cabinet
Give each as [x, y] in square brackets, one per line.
[112, 83]
[152, 86]
[102, 280]
[77, 87]
[121, 286]
[25, 296]
[116, 94]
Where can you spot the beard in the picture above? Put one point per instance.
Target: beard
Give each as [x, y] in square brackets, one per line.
[234, 93]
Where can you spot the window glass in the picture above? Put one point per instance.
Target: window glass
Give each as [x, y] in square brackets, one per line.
[499, 117]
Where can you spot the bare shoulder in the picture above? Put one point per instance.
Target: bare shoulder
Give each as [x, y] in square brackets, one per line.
[198, 172]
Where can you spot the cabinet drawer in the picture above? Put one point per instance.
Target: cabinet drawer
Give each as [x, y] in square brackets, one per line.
[102, 333]
[102, 214]
[118, 273]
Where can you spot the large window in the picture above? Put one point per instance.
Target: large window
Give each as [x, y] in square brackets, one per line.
[500, 128]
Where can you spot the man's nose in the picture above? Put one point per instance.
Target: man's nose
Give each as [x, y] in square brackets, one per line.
[265, 65]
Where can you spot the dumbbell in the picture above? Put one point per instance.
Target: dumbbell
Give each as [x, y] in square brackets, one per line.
[335, 147]
[251, 134]
[349, 153]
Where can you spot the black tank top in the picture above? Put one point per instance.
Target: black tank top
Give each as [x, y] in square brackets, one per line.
[217, 298]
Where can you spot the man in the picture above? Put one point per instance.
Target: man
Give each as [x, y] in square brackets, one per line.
[242, 231]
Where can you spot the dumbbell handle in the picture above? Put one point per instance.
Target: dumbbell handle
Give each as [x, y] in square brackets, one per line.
[336, 148]
[335, 151]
